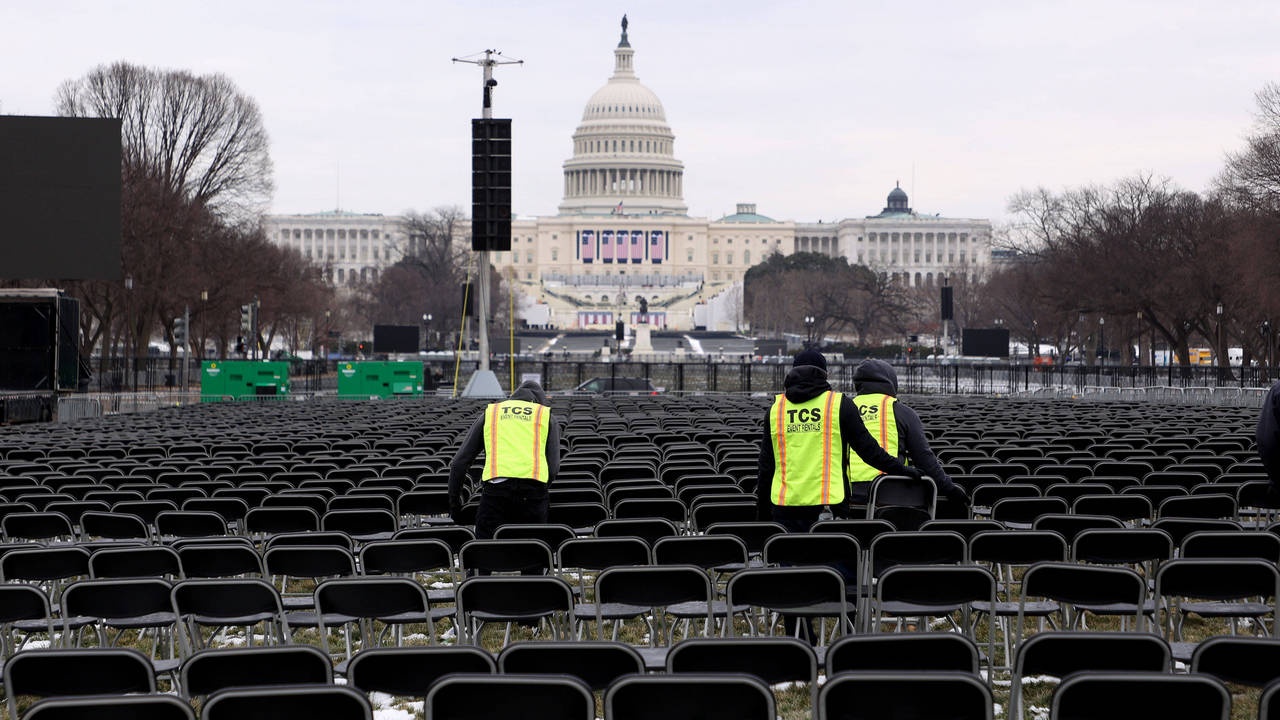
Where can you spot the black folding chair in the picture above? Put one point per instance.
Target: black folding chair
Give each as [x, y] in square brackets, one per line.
[72, 672]
[542, 601]
[482, 697]
[595, 662]
[111, 707]
[700, 696]
[214, 669]
[921, 695]
[1060, 653]
[299, 702]
[411, 671]
[774, 660]
[1126, 695]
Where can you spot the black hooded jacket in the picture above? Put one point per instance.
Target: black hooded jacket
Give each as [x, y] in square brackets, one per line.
[878, 376]
[528, 391]
[804, 383]
[1268, 435]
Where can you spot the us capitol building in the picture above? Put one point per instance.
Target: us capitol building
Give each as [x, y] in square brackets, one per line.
[623, 232]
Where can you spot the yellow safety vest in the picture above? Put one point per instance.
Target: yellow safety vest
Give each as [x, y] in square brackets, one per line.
[515, 440]
[808, 451]
[877, 412]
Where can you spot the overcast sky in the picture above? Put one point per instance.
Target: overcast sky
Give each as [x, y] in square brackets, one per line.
[811, 110]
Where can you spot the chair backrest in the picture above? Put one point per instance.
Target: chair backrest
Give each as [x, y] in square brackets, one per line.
[917, 547]
[370, 597]
[100, 707]
[922, 695]
[1060, 653]
[1231, 544]
[689, 697]
[117, 598]
[404, 557]
[44, 563]
[1076, 584]
[791, 588]
[905, 501]
[772, 659]
[1240, 659]
[220, 560]
[1130, 546]
[705, 551]
[90, 671]
[1024, 511]
[1017, 547]
[550, 533]
[410, 671]
[482, 697]
[230, 601]
[595, 662]
[506, 555]
[653, 585]
[593, 553]
[301, 702]
[503, 596]
[210, 670]
[835, 549]
[268, 520]
[902, 651]
[1117, 695]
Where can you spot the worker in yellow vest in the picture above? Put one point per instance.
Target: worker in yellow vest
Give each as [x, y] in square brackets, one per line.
[897, 429]
[804, 448]
[521, 444]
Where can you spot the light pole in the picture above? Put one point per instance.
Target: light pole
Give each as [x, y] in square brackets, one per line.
[204, 321]
[133, 338]
[426, 322]
[809, 322]
[1219, 347]
[1102, 340]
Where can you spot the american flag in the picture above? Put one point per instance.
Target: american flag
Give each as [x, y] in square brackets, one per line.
[618, 210]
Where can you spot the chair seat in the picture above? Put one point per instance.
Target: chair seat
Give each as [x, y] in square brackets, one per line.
[608, 611]
[695, 609]
[430, 617]
[485, 616]
[898, 607]
[1226, 609]
[443, 595]
[1036, 608]
[30, 626]
[251, 619]
[306, 618]
[298, 602]
[1148, 607]
[138, 622]
[655, 658]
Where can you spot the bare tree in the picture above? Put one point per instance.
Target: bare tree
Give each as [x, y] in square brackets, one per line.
[199, 137]
[1252, 176]
[194, 162]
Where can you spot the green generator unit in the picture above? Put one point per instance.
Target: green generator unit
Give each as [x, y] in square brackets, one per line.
[224, 380]
[379, 379]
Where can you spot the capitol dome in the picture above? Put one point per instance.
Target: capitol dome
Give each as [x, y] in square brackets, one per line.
[623, 151]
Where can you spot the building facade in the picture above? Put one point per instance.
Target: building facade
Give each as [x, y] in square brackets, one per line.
[622, 231]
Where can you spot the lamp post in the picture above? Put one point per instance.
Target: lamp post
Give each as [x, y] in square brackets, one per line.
[426, 339]
[204, 321]
[809, 322]
[1219, 347]
[133, 336]
[1102, 340]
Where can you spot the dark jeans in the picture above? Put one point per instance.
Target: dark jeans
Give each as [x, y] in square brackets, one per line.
[517, 500]
[800, 519]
